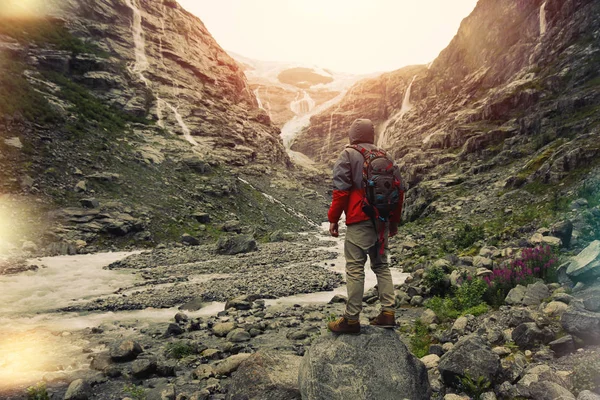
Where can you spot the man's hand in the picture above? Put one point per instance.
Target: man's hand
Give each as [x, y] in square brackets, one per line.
[393, 229]
[334, 229]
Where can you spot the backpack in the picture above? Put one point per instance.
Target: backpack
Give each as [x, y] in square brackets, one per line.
[382, 186]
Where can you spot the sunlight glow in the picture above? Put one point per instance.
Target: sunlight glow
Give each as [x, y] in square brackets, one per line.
[357, 36]
[24, 358]
[21, 8]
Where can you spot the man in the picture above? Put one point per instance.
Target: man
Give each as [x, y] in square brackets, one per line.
[362, 238]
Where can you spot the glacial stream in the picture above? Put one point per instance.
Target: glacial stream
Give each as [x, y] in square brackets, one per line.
[39, 343]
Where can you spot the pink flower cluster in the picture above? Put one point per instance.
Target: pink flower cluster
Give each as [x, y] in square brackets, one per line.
[536, 262]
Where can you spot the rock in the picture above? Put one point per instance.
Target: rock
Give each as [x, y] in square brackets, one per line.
[563, 346]
[340, 367]
[181, 317]
[452, 396]
[202, 217]
[239, 303]
[29, 246]
[488, 396]
[549, 391]
[591, 298]
[174, 330]
[564, 231]
[587, 395]
[417, 301]
[204, 371]
[211, 354]
[223, 328]
[143, 368]
[470, 356]
[104, 177]
[562, 297]
[436, 349]
[81, 187]
[516, 295]
[482, 262]
[461, 324]
[428, 317]
[431, 361]
[89, 203]
[501, 351]
[232, 226]
[528, 335]
[238, 335]
[277, 236]
[230, 364]
[582, 323]
[535, 294]
[78, 390]
[266, 375]
[188, 239]
[585, 267]
[231, 245]
[555, 309]
[338, 298]
[127, 350]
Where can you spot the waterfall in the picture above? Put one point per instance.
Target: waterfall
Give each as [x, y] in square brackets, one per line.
[543, 21]
[384, 137]
[141, 65]
[303, 105]
[294, 126]
[257, 95]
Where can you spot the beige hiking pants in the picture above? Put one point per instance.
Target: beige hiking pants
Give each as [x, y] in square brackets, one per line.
[360, 242]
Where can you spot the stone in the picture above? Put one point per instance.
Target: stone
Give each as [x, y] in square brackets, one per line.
[277, 236]
[582, 324]
[417, 301]
[555, 309]
[488, 396]
[564, 231]
[142, 368]
[549, 391]
[239, 303]
[230, 364]
[587, 395]
[452, 396]
[562, 297]
[78, 390]
[516, 295]
[460, 325]
[232, 226]
[431, 361]
[501, 351]
[174, 330]
[585, 267]
[591, 298]
[528, 335]
[238, 335]
[204, 371]
[436, 349]
[472, 357]
[188, 239]
[338, 298]
[211, 354]
[428, 317]
[231, 245]
[535, 294]
[126, 350]
[266, 375]
[181, 317]
[482, 262]
[340, 367]
[81, 187]
[562, 346]
[29, 246]
[89, 203]
[202, 217]
[223, 328]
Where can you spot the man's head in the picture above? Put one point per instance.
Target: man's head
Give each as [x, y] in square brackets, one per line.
[362, 131]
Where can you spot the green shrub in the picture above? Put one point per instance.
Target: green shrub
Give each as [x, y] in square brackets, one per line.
[468, 235]
[435, 279]
[470, 294]
[420, 340]
[474, 388]
[179, 350]
[38, 392]
[135, 392]
[468, 299]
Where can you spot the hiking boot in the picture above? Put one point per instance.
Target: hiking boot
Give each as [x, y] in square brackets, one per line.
[385, 319]
[344, 325]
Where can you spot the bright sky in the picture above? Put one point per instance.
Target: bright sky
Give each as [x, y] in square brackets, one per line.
[357, 36]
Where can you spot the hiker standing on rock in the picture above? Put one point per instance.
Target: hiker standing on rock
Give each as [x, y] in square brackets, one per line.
[367, 187]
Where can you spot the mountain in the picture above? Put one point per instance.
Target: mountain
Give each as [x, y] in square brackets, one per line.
[133, 105]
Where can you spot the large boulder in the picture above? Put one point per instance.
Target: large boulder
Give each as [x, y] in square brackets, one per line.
[586, 265]
[528, 335]
[581, 323]
[230, 245]
[372, 365]
[535, 294]
[266, 375]
[471, 357]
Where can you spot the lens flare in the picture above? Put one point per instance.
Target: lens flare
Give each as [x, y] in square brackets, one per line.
[23, 359]
[21, 8]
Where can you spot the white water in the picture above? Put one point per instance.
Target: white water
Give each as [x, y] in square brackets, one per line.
[293, 127]
[141, 65]
[304, 105]
[543, 21]
[257, 95]
[384, 136]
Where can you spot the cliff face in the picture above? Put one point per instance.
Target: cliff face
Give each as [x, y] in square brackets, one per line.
[131, 104]
[513, 100]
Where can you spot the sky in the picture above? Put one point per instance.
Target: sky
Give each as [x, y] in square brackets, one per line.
[355, 36]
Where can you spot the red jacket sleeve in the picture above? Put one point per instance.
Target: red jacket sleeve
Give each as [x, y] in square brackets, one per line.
[338, 205]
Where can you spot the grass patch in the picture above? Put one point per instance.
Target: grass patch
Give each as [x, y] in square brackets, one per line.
[179, 350]
[420, 340]
[47, 31]
[38, 392]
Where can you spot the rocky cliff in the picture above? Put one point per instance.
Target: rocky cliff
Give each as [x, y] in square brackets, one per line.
[123, 121]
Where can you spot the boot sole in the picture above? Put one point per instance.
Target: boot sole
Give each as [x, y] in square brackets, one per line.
[386, 326]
